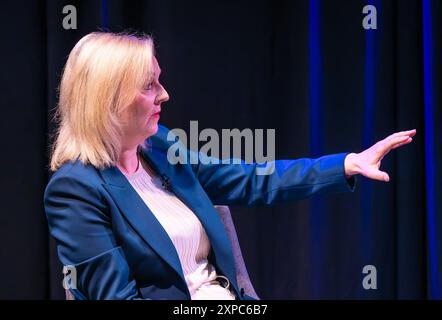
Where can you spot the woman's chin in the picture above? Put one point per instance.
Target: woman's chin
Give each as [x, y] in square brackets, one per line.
[153, 128]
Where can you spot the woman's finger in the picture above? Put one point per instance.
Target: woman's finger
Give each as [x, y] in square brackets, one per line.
[386, 146]
[377, 175]
[406, 133]
[397, 140]
[409, 133]
[407, 141]
[385, 176]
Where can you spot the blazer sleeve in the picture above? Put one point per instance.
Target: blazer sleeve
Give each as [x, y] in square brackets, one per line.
[259, 184]
[77, 219]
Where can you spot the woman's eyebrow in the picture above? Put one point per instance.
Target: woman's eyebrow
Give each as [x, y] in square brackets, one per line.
[153, 74]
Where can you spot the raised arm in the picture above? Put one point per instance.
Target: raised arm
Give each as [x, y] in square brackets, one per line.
[290, 180]
[295, 179]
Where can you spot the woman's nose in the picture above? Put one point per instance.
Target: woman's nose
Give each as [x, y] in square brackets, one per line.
[163, 96]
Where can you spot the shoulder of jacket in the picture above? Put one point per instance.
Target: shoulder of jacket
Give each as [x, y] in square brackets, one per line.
[77, 172]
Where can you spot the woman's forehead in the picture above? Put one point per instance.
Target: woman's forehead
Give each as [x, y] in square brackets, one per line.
[156, 67]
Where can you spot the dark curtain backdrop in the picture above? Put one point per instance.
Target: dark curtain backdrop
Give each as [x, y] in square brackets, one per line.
[306, 68]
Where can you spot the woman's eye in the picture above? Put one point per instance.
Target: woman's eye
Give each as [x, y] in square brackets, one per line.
[149, 86]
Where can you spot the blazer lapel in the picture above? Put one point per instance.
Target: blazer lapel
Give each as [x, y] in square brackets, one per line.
[140, 217]
[184, 187]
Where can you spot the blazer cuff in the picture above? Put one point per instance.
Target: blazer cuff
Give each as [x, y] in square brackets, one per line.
[348, 184]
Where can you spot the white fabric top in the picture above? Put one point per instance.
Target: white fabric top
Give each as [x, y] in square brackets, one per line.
[186, 232]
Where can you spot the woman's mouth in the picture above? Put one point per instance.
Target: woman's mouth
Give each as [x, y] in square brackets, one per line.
[156, 115]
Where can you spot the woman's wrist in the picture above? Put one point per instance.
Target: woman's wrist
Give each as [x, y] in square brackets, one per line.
[351, 167]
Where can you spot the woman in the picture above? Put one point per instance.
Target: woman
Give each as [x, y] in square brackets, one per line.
[125, 235]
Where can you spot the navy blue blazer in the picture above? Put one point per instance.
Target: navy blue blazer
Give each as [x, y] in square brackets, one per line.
[120, 250]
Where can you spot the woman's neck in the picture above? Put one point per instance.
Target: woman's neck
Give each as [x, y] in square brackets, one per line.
[128, 160]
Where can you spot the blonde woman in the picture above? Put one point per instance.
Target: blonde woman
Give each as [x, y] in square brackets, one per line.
[128, 237]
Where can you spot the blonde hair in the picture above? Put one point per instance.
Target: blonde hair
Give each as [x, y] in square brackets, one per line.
[101, 78]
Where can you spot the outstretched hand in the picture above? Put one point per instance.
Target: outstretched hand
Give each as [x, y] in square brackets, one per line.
[368, 161]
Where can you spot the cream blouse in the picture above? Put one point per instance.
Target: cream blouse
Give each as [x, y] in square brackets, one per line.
[186, 232]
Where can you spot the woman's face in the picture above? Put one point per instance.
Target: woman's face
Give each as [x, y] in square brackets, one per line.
[143, 114]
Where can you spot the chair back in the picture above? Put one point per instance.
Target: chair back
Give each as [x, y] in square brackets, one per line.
[242, 276]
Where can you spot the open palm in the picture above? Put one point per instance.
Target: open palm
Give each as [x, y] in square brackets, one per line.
[368, 161]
